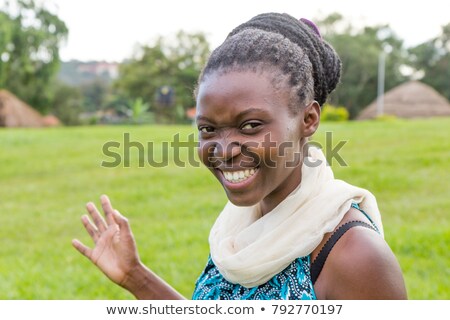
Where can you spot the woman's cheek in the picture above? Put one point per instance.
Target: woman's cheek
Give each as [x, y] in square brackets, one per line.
[205, 152]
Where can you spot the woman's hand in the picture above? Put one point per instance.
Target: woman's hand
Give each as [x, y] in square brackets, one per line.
[114, 252]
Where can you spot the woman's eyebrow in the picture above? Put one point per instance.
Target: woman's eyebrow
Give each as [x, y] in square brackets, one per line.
[251, 110]
[238, 116]
[200, 117]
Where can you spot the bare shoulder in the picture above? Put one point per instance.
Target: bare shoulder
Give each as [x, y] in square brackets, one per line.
[362, 266]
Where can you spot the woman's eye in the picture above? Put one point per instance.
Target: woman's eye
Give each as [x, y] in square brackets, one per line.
[250, 125]
[206, 129]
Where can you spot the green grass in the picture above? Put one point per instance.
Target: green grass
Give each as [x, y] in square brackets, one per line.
[47, 175]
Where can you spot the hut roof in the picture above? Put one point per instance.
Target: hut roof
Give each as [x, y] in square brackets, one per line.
[51, 121]
[412, 99]
[16, 113]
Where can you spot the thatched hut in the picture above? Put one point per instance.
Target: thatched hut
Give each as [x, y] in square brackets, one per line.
[412, 99]
[51, 121]
[16, 113]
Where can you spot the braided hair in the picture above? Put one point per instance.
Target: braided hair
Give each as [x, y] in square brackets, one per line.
[279, 42]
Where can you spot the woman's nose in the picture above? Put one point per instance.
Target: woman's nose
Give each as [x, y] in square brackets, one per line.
[225, 150]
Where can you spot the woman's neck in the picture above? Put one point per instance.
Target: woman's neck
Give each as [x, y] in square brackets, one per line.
[275, 198]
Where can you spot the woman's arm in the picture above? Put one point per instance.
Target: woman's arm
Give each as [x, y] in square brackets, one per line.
[115, 254]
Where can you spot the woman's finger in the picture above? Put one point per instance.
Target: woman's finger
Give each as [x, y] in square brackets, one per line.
[96, 217]
[90, 228]
[122, 222]
[84, 250]
[108, 209]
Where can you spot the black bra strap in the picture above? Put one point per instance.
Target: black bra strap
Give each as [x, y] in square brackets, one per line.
[317, 265]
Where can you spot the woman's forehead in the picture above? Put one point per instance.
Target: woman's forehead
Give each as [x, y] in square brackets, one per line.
[234, 94]
[241, 82]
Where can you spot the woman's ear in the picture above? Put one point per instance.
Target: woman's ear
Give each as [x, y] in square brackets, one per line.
[311, 119]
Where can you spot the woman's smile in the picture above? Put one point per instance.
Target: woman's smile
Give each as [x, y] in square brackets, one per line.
[237, 180]
[238, 176]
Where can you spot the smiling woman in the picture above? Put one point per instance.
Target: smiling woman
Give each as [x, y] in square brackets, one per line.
[290, 230]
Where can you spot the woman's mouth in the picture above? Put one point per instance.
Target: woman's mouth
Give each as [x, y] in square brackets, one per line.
[239, 175]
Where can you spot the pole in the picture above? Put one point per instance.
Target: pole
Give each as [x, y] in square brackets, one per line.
[380, 96]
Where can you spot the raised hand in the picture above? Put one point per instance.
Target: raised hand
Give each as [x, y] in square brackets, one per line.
[114, 252]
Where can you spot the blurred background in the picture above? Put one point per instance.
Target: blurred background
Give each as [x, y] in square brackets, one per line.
[125, 62]
[77, 74]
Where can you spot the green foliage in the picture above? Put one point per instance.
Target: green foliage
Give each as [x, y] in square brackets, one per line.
[172, 209]
[95, 94]
[432, 58]
[174, 63]
[66, 103]
[30, 37]
[95, 87]
[359, 50]
[138, 110]
[332, 113]
[6, 33]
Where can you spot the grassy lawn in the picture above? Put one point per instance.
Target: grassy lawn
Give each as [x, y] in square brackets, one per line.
[47, 176]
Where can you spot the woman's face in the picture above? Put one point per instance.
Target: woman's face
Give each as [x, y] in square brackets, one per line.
[248, 137]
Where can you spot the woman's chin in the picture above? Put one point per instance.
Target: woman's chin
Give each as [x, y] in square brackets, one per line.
[242, 200]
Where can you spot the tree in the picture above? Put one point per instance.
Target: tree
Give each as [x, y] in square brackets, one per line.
[66, 104]
[30, 37]
[359, 50]
[6, 32]
[165, 64]
[432, 59]
[95, 93]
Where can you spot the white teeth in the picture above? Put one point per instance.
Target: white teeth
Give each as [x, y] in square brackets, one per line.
[238, 176]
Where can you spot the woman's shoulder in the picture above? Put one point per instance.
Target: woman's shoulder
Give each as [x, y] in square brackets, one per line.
[361, 265]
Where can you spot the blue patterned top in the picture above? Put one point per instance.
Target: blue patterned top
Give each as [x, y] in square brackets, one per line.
[293, 283]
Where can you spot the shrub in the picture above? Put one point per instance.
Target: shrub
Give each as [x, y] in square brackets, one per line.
[332, 113]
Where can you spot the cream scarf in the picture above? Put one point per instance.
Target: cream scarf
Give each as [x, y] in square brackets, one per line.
[249, 249]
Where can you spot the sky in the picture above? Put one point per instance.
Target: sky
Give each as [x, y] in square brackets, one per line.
[111, 30]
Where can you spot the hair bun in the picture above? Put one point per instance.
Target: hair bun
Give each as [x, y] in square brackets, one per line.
[304, 33]
[312, 25]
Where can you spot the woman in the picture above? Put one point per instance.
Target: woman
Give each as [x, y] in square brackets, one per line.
[290, 230]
